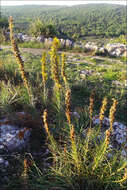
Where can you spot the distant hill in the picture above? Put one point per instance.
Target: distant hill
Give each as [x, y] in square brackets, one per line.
[74, 22]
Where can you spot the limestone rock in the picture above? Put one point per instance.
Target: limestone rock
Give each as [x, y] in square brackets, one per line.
[13, 137]
[27, 38]
[91, 46]
[62, 42]
[118, 134]
[116, 49]
[68, 43]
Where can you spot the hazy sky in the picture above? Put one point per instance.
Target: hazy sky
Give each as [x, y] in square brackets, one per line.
[60, 2]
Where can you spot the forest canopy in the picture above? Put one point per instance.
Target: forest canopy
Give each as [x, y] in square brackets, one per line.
[73, 22]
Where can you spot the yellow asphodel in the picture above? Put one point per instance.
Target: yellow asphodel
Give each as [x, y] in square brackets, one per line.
[68, 105]
[43, 61]
[112, 113]
[91, 107]
[55, 62]
[18, 56]
[102, 110]
[63, 68]
[45, 115]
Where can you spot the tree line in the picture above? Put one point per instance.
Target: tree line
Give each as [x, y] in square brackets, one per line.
[73, 22]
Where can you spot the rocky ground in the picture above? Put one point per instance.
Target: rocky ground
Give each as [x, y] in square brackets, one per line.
[110, 49]
[16, 129]
[14, 140]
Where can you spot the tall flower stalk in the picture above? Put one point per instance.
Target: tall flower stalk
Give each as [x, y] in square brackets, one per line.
[68, 106]
[91, 107]
[100, 154]
[44, 73]
[112, 113]
[18, 57]
[55, 62]
[63, 69]
[45, 115]
[102, 110]
[55, 71]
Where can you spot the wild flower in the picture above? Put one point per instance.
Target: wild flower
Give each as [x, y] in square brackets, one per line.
[55, 62]
[63, 68]
[72, 133]
[43, 61]
[45, 114]
[102, 110]
[112, 113]
[68, 105]
[107, 138]
[91, 107]
[18, 56]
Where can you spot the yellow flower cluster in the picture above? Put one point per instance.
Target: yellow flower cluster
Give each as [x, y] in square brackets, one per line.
[44, 74]
[56, 43]
[45, 114]
[102, 110]
[63, 68]
[72, 133]
[68, 105]
[55, 62]
[112, 113]
[91, 106]
[108, 134]
[18, 56]
[111, 117]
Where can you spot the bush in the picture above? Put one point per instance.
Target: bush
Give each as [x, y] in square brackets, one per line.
[38, 28]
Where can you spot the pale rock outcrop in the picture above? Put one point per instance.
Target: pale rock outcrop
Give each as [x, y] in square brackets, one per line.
[69, 43]
[91, 46]
[62, 42]
[116, 49]
[118, 134]
[27, 38]
[102, 50]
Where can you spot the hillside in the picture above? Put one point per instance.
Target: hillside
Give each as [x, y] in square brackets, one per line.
[63, 102]
[76, 21]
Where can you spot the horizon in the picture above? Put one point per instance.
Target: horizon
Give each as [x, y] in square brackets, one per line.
[59, 3]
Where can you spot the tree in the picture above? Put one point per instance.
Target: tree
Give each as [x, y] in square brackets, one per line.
[38, 28]
[50, 31]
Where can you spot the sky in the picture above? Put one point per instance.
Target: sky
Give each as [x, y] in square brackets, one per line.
[60, 2]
